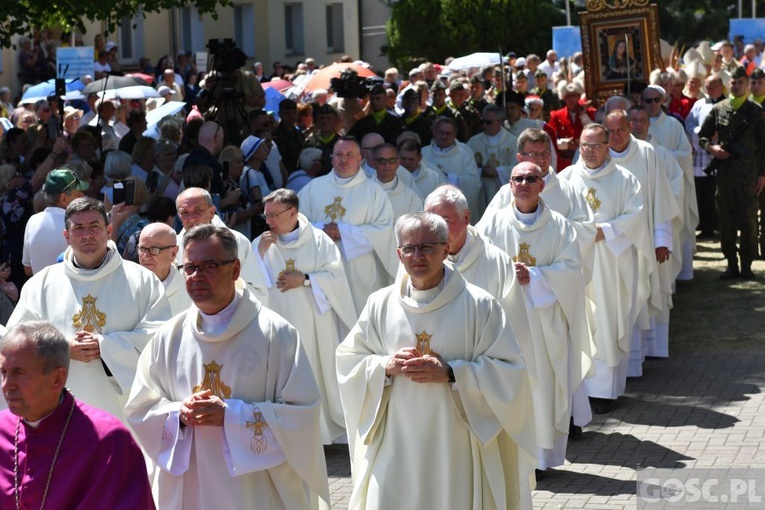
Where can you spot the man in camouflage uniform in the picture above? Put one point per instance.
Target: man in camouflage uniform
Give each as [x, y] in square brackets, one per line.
[740, 171]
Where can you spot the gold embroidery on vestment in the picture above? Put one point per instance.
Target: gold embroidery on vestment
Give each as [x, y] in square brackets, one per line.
[592, 199]
[212, 381]
[289, 267]
[89, 319]
[524, 256]
[258, 443]
[423, 344]
[335, 210]
[493, 161]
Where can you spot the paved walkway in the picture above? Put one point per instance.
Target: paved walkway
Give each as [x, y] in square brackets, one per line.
[695, 410]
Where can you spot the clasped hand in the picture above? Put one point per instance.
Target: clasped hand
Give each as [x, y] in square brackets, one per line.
[417, 367]
[84, 347]
[203, 409]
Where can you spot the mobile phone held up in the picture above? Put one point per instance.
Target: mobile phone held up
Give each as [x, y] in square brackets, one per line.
[124, 192]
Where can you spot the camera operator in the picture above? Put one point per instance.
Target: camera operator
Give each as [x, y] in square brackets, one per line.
[230, 92]
[349, 99]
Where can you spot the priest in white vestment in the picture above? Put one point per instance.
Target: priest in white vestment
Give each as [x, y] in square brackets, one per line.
[426, 179]
[558, 194]
[368, 144]
[195, 207]
[670, 133]
[548, 268]
[307, 286]
[157, 248]
[639, 158]
[455, 160]
[403, 199]
[355, 213]
[108, 308]
[495, 152]
[224, 400]
[480, 262]
[436, 396]
[619, 285]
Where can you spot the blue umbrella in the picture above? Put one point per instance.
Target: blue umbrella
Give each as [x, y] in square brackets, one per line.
[46, 88]
[273, 98]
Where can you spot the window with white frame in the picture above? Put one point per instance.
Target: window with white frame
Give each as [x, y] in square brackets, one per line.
[130, 39]
[192, 30]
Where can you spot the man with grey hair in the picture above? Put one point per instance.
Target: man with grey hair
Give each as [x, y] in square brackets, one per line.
[195, 207]
[44, 233]
[96, 463]
[548, 267]
[438, 343]
[228, 380]
[494, 151]
[309, 166]
[621, 247]
[107, 307]
[670, 133]
[456, 161]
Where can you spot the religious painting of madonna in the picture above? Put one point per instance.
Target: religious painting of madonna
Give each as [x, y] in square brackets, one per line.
[619, 45]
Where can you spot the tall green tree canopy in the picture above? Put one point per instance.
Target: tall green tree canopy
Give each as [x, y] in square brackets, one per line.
[20, 16]
[437, 29]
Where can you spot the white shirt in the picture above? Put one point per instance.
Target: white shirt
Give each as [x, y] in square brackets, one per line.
[44, 239]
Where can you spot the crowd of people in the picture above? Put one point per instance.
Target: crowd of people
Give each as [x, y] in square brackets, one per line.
[460, 265]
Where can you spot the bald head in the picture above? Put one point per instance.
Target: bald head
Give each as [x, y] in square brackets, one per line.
[195, 207]
[160, 239]
[211, 137]
[368, 143]
[526, 191]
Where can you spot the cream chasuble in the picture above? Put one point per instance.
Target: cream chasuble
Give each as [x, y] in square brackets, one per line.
[619, 285]
[323, 313]
[426, 179]
[498, 151]
[407, 434]
[122, 301]
[175, 290]
[670, 133]
[676, 179]
[458, 164]
[562, 349]
[268, 454]
[564, 198]
[403, 199]
[661, 211]
[364, 216]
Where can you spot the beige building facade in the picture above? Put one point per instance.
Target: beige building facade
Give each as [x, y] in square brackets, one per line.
[266, 30]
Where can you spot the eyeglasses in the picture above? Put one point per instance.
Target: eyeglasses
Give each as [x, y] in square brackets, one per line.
[390, 161]
[154, 250]
[266, 216]
[204, 267]
[531, 179]
[591, 146]
[536, 155]
[424, 248]
[650, 100]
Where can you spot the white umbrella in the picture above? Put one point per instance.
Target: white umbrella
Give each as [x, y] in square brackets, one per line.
[153, 117]
[477, 60]
[132, 92]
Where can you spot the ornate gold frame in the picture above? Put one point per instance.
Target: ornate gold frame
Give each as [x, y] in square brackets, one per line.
[603, 24]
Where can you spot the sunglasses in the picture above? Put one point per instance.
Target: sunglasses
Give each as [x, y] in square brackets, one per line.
[652, 100]
[531, 179]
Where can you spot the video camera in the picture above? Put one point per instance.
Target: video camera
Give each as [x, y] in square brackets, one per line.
[226, 57]
[350, 84]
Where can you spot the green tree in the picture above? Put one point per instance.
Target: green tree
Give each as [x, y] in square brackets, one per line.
[685, 22]
[436, 29]
[20, 16]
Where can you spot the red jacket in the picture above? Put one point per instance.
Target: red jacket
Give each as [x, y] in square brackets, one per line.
[560, 122]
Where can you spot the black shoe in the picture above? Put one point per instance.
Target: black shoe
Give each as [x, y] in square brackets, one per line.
[747, 274]
[731, 273]
[574, 431]
[602, 405]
